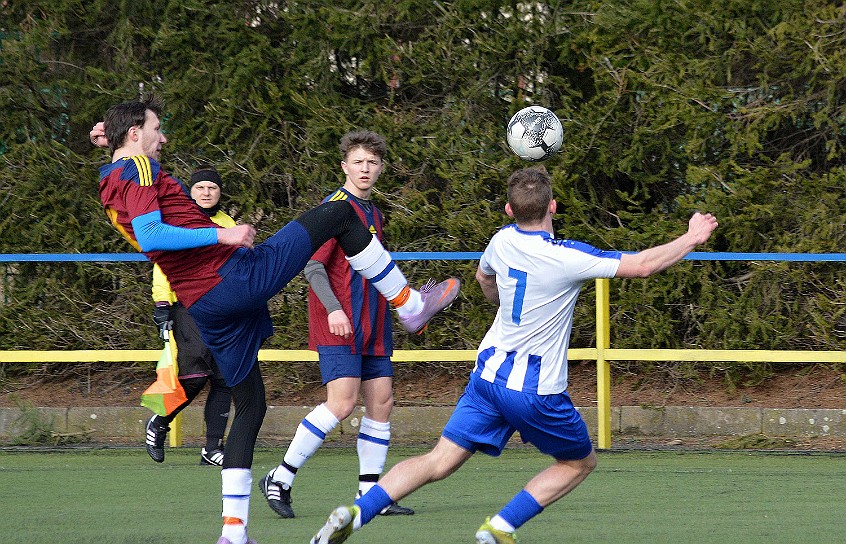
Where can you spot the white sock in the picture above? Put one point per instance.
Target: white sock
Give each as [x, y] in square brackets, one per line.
[375, 264]
[236, 533]
[499, 523]
[374, 437]
[236, 485]
[311, 432]
[413, 305]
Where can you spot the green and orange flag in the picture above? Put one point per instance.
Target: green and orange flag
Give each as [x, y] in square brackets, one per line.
[166, 393]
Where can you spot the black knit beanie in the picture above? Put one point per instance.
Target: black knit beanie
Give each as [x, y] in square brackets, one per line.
[206, 174]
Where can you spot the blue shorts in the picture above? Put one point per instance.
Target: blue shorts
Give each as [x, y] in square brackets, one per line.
[487, 415]
[233, 317]
[338, 362]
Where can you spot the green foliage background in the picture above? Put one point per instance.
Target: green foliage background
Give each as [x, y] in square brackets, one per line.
[669, 107]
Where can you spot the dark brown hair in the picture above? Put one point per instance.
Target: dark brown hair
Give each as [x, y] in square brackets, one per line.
[122, 117]
[529, 193]
[366, 139]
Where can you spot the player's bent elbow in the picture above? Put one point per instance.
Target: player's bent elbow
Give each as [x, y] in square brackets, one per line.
[146, 244]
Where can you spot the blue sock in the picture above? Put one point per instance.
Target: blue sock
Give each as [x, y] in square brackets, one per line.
[373, 502]
[521, 509]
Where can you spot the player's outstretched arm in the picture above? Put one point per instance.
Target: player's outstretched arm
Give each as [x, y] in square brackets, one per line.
[658, 258]
[239, 235]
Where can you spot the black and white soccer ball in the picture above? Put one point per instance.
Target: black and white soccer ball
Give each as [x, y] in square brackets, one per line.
[535, 133]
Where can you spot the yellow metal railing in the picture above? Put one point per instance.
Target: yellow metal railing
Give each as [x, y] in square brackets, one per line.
[603, 353]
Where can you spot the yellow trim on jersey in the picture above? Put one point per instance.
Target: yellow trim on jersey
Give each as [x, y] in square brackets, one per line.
[145, 171]
[161, 286]
[112, 214]
[339, 195]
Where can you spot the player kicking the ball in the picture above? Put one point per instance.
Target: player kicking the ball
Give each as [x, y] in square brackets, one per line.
[225, 279]
[520, 378]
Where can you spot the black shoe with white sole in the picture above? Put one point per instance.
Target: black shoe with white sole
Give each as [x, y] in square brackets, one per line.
[156, 435]
[211, 457]
[278, 497]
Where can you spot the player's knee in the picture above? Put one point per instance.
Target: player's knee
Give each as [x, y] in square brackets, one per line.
[328, 220]
[253, 411]
[341, 408]
[441, 466]
[381, 410]
[588, 463]
[193, 386]
[219, 384]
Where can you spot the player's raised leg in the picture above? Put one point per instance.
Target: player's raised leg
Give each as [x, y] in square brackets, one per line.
[369, 258]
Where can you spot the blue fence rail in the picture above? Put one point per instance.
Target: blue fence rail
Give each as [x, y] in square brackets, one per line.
[603, 353]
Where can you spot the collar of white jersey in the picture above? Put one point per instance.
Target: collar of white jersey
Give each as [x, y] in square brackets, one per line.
[542, 233]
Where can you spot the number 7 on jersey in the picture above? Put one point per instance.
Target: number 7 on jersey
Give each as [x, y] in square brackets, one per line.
[519, 293]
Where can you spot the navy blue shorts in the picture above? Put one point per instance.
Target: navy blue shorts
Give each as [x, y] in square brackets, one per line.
[233, 317]
[338, 362]
[487, 415]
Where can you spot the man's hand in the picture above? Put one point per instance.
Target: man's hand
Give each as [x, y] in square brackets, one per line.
[163, 320]
[239, 235]
[339, 324]
[701, 226]
[98, 135]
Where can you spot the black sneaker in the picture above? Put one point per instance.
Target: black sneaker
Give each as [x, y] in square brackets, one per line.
[278, 497]
[156, 434]
[395, 509]
[392, 509]
[211, 457]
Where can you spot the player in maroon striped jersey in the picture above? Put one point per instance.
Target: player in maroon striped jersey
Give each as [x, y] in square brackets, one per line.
[225, 279]
[350, 328]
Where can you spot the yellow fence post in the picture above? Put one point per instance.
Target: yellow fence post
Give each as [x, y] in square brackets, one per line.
[175, 433]
[603, 368]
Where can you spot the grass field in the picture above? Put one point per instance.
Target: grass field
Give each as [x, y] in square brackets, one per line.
[120, 496]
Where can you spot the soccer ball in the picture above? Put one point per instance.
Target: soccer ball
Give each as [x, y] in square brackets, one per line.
[534, 134]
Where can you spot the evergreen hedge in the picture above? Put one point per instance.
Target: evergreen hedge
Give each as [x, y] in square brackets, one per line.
[669, 107]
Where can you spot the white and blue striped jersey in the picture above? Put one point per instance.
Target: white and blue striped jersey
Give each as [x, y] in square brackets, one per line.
[538, 279]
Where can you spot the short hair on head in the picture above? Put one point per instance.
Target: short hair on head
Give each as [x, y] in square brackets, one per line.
[122, 117]
[529, 194]
[366, 139]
